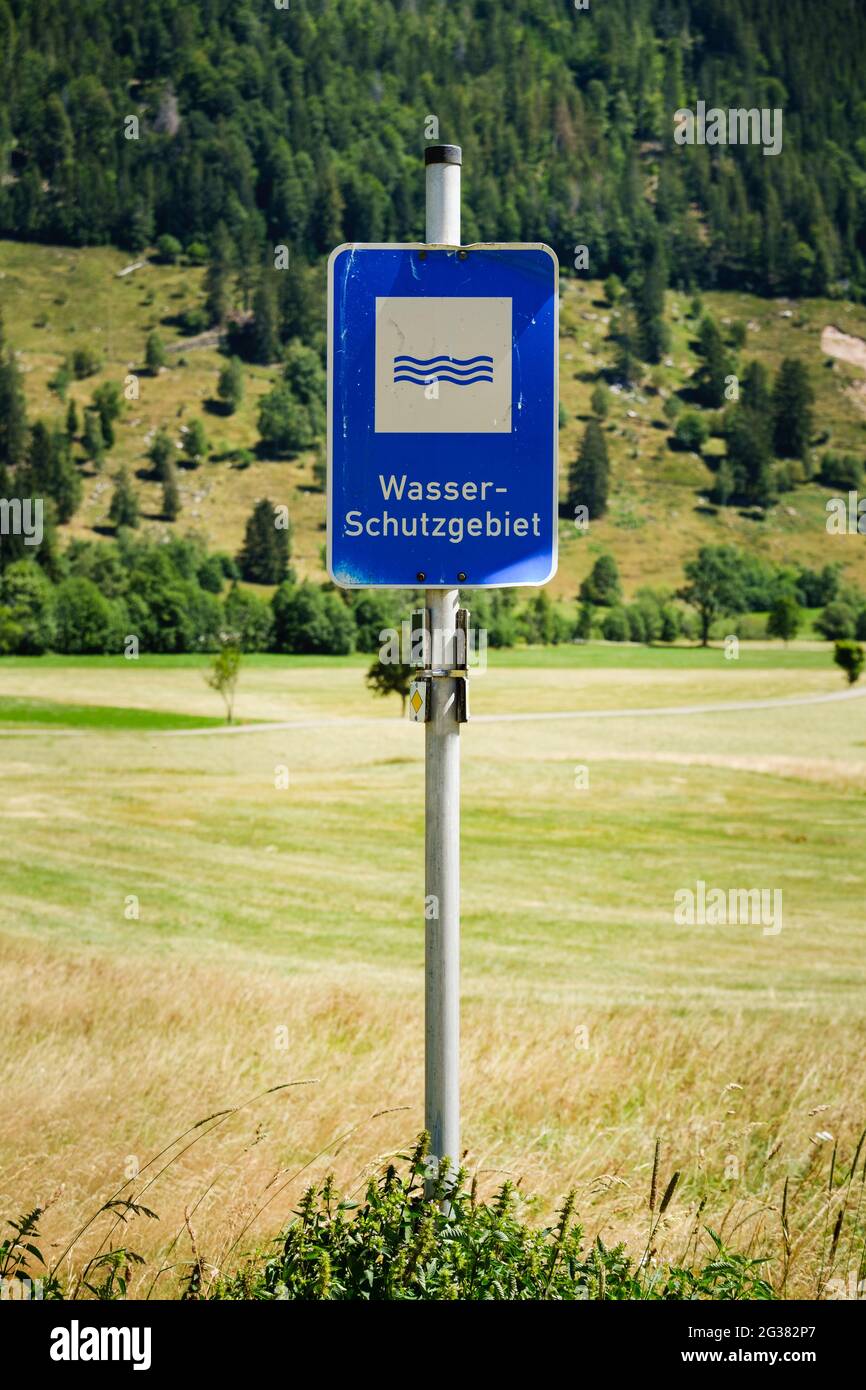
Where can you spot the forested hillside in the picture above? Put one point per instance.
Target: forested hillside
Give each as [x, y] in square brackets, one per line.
[303, 125]
[173, 174]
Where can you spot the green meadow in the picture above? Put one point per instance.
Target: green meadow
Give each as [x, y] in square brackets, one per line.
[190, 915]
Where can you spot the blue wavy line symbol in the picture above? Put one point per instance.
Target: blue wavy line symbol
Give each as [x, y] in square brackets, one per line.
[459, 371]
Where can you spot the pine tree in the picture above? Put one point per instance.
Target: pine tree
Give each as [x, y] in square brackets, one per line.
[154, 353]
[600, 400]
[195, 443]
[793, 398]
[66, 484]
[755, 392]
[264, 558]
[589, 477]
[299, 305]
[170, 493]
[230, 386]
[109, 402]
[266, 342]
[40, 467]
[13, 410]
[715, 366]
[161, 454]
[328, 210]
[650, 307]
[71, 420]
[94, 443]
[749, 456]
[124, 504]
[625, 335]
[218, 277]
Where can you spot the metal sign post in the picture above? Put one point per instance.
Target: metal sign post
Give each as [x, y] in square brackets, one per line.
[442, 436]
[442, 784]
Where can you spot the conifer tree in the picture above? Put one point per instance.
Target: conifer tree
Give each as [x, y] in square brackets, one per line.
[218, 277]
[94, 442]
[264, 558]
[266, 339]
[170, 493]
[13, 410]
[589, 477]
[650, 307]
[124, 504]
[230, 386]
[161, 453]
[793, 422]
[715, 366]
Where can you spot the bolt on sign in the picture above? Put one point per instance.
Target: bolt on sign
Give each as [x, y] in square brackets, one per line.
[442, 415]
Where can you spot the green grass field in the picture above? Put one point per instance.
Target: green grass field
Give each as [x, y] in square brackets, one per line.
[179, 932]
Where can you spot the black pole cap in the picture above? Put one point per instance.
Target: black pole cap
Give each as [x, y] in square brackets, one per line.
[443, 154]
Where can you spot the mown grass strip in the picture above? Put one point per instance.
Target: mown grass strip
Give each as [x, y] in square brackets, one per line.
[53, 713]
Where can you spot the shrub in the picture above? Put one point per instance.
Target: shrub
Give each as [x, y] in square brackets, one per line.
[194, 320]
[27, 599]
[851, 657]
[210, 574]
[87, 622]
[285, 424]
[402, 1243]
[602, 586]
[837, 620]
[307, 619]
[671, 623]
[168, 249]
[691, 431]
[249, 619]
[842, 471]
[785, 618]
[615, 627]
[750, 627]
[374, 611]
[649, 608]
[636, 625]
[86, 361]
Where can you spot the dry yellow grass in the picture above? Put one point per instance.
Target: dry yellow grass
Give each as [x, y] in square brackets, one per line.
[123, 1057]
[263, 911]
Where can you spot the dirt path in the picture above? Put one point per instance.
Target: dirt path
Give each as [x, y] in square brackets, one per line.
[650, 712]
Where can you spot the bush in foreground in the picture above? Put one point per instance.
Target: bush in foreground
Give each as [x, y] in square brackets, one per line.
[400, 1244]
[410, 1239]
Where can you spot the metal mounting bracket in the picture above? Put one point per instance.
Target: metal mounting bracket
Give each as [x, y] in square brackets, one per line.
[420, 689]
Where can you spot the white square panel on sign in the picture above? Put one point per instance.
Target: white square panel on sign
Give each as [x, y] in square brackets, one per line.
[443, 365]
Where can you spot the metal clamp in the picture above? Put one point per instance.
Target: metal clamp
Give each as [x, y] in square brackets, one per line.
[421, 688]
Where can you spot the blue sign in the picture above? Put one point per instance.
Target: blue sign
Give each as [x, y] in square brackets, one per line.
[442, 415]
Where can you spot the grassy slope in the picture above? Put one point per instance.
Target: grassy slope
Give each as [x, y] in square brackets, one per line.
[656, 516]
